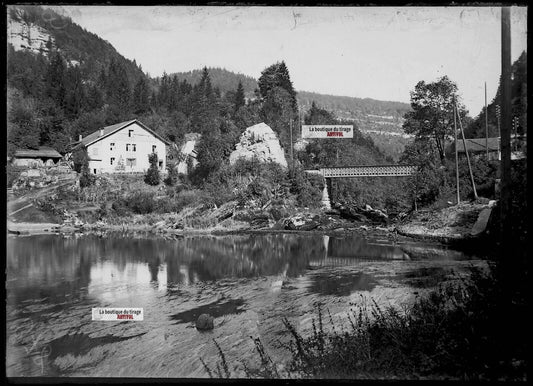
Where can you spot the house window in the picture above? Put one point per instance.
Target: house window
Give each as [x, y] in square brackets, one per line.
[94, 171]
[131, 162]
[112, 160]
[134, 147]
[127, 147]
[112, 146]
[154, 147]
[160, 164]
[130, 133]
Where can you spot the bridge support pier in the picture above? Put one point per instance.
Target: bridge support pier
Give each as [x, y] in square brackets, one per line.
[326, 203]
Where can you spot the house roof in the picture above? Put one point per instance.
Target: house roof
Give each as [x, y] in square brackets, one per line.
[479, 144]
[41, 152]
[108, 130]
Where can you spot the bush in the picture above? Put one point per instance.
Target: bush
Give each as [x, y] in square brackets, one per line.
[307, 188]
[152, 174]
[86, 178]
[172, 174]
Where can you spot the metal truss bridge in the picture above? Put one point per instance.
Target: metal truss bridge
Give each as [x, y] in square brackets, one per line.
[360, 171]
[366, 171]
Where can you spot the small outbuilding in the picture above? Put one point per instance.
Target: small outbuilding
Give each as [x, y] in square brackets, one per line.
[43, 156]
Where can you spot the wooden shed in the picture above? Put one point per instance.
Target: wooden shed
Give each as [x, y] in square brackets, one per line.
[43, 156]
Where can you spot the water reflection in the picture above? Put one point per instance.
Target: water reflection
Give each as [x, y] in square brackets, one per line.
[51, 266]
[249, 282]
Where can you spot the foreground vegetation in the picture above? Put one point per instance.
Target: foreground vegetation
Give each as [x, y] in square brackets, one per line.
[468, 329]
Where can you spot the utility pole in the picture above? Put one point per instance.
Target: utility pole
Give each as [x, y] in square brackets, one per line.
[505, 140]
[466, 152]
[456, 153]
[486, 124]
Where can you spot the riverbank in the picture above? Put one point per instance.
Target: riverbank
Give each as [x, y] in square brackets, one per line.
[453, 225]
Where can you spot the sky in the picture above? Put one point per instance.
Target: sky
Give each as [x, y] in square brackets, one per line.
[365, 52]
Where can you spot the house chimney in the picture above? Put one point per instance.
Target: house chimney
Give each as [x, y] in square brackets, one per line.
[101, 132]
[80, 138]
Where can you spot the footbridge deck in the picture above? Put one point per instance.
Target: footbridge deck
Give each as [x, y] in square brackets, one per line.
[366, 171]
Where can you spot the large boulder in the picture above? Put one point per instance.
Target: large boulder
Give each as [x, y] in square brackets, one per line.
[261, 143]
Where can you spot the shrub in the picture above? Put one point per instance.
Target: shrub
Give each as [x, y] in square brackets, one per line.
[152, 174]
[141, 202]
[187, 198]
[307, 188]
[86, 178]
[172, 174]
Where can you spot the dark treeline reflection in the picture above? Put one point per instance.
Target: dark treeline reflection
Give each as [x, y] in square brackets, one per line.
[58, 266]
[53, 266]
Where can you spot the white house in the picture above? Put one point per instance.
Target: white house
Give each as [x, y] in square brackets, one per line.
[124, 147]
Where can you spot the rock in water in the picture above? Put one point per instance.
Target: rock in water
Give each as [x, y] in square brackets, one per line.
[205, 322]
[259, 142]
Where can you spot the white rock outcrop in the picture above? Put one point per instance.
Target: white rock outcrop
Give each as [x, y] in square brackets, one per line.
[27, 36]
[261, 142]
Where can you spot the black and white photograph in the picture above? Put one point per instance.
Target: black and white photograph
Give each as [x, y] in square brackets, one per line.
[266, 192]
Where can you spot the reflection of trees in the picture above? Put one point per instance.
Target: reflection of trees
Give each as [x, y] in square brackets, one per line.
[43, 262]
[51, 265]
[153, 266]
[247, 256]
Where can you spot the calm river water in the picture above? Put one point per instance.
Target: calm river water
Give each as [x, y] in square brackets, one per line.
[247, 282]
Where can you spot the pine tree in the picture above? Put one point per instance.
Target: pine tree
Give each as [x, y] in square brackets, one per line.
[164, 92]
[118, 90]
[75, 95]
[55, 79]
[239, 97]
[94, 99]
[277, 75]
[141, 103]
[204, 111]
